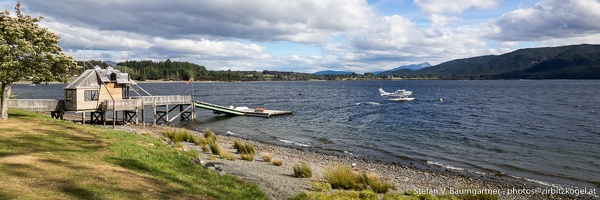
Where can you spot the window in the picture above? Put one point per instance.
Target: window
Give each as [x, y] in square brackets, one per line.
[125, 92]
[69, 95]
[90, 95]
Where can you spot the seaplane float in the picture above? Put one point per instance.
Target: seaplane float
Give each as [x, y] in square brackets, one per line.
[398, 95]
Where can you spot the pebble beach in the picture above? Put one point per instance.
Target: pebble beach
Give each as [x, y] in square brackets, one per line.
[279, 182]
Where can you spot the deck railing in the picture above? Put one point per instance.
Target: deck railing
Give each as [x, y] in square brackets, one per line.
[164, 100]
[40, 105]
[124, 104]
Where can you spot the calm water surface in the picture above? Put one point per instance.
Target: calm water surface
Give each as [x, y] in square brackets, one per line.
[542, 131]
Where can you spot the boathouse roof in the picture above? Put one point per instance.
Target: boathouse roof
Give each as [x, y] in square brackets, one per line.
[94, 78]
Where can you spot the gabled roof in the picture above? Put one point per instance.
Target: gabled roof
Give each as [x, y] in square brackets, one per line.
[93, 78]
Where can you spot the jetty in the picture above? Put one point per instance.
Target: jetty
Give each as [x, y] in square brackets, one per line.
[100, 91]
[242, 111]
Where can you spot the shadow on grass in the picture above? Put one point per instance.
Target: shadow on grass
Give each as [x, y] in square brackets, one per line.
[77, 192]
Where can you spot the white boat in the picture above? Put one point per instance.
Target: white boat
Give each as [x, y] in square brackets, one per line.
[398, 95]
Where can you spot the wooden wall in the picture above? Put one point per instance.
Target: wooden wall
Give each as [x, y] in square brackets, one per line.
[79, 102]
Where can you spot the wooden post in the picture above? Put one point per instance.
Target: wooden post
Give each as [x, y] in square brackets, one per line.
[143, 117]
[180, 111]
[114, 118]
[193, 112]
[154, 121]
[136, 116]
[103, 118]
[82, 117]
[167, 113]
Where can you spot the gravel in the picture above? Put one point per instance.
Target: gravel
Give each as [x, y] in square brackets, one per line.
[279, 182]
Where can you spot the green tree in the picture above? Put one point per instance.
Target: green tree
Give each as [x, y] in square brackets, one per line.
[26, 49]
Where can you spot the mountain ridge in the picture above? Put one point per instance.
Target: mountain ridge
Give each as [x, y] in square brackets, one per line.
[564, 62]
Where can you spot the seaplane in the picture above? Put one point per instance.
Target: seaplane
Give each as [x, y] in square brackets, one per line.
[398, 95]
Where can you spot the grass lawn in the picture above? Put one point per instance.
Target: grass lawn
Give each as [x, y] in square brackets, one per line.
[45, 158]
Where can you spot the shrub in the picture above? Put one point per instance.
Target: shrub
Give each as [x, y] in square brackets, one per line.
[267, 157]
[277, 162]
[320, 187]
[247, 157]
[342, 177]
[302, 170]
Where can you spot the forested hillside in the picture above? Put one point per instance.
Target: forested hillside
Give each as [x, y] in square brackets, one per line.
[566, 62]
[182, 71]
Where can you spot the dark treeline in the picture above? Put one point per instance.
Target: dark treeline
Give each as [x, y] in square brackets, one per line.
[182, 71]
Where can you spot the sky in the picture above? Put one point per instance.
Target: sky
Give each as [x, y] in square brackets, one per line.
[311, 35]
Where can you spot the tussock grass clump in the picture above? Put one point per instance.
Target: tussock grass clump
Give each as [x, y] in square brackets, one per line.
[178, 135]
[247, 157]
[210, 136]
[215, 148]
[267, 157]
[302, 170]
[340, 194]
[243, 147]
[277, 162]
[372, 180]
[320, 187]
[227, 155]
[343, 177]
[367, 195]
[200, 140]
[182, 135]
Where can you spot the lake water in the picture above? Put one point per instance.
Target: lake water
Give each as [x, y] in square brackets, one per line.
[542, 131]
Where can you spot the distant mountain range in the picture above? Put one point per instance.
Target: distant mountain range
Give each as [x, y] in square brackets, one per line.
[331, 72]
[565, 62]
[404, 68]
[111, 63]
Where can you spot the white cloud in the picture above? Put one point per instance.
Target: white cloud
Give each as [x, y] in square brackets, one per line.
[549, 19]
[303, 21]
[442, 20]
[453, 6]
[227, 34]
[74, 37]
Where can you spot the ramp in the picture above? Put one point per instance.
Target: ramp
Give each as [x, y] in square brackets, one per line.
[217, 108]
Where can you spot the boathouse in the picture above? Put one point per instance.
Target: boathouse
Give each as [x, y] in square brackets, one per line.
[95, 88]
[99, 91]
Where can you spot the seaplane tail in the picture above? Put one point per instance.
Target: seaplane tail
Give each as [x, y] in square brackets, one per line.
[383, 93]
